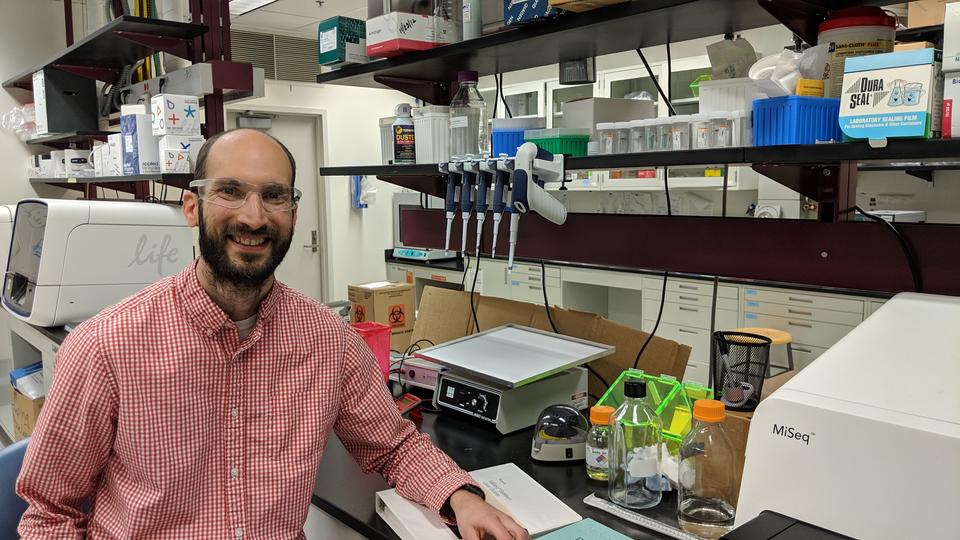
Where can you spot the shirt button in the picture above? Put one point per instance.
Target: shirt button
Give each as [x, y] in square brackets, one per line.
[238, 532]
[234, 472]
[209, 334]
[234, 412]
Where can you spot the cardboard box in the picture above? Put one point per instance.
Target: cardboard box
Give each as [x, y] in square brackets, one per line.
[517, 12]
[926, 12]
[588, 112]
[25, 413]
[341, 40]
[892, 95]
[174, 114]
[389, 303]
[951, 38]
[913, 45]
[580, 6]
[141, 153]
[445, 315]
[951, 99]
[395, 33]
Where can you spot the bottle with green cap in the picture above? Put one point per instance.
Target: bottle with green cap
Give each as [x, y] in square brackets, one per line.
[707, 485]
[635, 454]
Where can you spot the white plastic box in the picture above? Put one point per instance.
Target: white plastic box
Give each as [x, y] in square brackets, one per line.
[395, 33]
[188, 146]
[432, 127]
[173, 114]
[951, 38]
[115, 163]
[951, 100]
[141, 153]
[732, 95]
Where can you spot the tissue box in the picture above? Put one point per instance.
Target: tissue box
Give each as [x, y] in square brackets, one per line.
[114, 165]
[141, 153]
[173, 114]
[951, 99]
[892, 95]
[341, 40]
[517, 12]
[395, 33]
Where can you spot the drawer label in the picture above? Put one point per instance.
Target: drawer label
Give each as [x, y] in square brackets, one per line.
[751, 303]
[751, 316]
[751, 292]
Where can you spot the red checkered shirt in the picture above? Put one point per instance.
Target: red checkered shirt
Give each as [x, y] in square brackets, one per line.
[175, 428]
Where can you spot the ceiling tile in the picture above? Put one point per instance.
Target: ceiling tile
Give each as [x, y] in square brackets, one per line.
[262, 18]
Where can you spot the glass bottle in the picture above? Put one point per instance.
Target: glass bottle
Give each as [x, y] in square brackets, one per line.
[468, 119]
[598, 442]
[707, 485]
[635, 454]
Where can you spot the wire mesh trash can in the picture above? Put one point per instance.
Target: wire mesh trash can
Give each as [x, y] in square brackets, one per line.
[740, 361]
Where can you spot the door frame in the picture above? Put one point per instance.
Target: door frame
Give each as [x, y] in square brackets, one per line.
[323, 202]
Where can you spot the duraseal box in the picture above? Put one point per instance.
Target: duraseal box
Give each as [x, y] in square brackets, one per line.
[341, 40]
[173, 114]
[892, 95]
[395, 33]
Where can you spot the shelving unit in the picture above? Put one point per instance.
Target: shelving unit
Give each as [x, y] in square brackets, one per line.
[64, 139]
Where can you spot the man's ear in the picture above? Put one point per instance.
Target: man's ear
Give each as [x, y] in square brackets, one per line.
[191, 208]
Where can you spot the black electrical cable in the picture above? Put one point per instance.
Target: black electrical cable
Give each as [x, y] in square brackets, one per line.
[506, 105]
[473, 288]
[546, 307]
[904, 245]
[656, 82]
[496, 95]
[463, 278]
[669, 76]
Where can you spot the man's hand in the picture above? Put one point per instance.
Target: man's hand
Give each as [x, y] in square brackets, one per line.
[476, 518]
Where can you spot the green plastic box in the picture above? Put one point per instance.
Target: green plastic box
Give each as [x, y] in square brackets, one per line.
[342, 40]
[569, 141]
[670, 399]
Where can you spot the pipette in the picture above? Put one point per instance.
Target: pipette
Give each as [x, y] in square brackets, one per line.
[470, 171]
[528, 193]
[504, 168]
[488, 168]
[452, 170]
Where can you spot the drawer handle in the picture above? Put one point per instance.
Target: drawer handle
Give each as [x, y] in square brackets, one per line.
[688, 287]
[791, 323]
[694, 298]
[533, 278]
[798, 312]
[804, 300]
[689, 309]
[685, 331]
[798, 349]
[535, 287]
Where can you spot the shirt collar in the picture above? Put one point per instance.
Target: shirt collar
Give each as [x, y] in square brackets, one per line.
[205, 312]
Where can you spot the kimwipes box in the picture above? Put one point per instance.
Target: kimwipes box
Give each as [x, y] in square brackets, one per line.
[25, 413]
[385, 302]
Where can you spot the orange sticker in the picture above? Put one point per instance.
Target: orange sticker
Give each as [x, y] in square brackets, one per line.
[359, 313]
[397, 314]
[410, 277]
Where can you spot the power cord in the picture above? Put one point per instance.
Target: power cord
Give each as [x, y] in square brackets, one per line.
[506, 106]
[904, 245]
[546, 306]
[413, 347]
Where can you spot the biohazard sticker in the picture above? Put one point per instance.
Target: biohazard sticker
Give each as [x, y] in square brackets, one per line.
[397, 315]
[359, 313]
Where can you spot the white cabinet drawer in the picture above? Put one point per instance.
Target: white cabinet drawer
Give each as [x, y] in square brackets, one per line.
[803, 312]
[818, 334]
[526, 292]
[524, 279]
[602, 278]
[692, 287]
[691, 299]
[803, 355]
[794, 298]
[534, 270]
[696, 373]
[685, 315]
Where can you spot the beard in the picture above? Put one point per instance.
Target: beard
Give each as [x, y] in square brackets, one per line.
[248, 274]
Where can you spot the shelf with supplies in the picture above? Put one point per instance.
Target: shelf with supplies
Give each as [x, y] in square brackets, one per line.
[136, 185]
[897, 155]
[103, 53]
[61, 139]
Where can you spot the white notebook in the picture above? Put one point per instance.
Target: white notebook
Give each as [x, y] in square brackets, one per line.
[507, 489]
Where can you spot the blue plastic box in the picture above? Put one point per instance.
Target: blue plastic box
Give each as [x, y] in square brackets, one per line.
[506, 141]
[795, 120]
[517, 12]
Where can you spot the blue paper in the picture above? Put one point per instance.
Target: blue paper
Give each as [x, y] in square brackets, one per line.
[587, 529]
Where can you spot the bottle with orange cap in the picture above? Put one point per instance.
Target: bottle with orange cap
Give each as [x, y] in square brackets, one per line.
[707, 491]
[598, 443]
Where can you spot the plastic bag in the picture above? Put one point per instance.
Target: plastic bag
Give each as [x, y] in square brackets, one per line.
[20, 120]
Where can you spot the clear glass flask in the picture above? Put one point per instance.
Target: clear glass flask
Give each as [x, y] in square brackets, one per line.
[707, 484]
[635, 454]
[468, 119]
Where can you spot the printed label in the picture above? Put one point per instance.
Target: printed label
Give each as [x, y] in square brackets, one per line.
[459, 122]
[888, 103]
[328, 41]
[467, 12]
[404, 145]
[597, 457]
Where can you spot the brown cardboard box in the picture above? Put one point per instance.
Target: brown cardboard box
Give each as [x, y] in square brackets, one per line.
[926, 12]
[25, 413]
[388, 303]
[445, 315]
[914, 45]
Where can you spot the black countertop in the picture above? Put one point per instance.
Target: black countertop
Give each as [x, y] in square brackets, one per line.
[347, 494]
[457, 265]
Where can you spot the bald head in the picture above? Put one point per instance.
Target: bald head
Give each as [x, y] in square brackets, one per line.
[245, 151]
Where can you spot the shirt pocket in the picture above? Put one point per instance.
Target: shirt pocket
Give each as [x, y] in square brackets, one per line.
[288, 429]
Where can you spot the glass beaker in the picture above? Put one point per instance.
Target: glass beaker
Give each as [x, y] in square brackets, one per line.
[912, 93]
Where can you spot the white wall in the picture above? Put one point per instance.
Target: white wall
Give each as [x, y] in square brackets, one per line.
[356, 239]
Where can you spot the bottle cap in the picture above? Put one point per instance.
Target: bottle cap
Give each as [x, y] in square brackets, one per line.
[467, 76]
[709, 410]
[600, 414]
[635, 389]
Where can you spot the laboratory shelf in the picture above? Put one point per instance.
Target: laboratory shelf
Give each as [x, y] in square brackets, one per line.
[60, 139]
[121, 42]
[175, 180]
[897, 155]
[933, 34]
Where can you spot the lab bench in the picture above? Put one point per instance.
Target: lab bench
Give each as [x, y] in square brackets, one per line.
[472, 448]
[815, 317]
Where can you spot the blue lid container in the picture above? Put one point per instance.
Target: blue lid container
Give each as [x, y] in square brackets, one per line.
[796, 120]
[506, 134]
